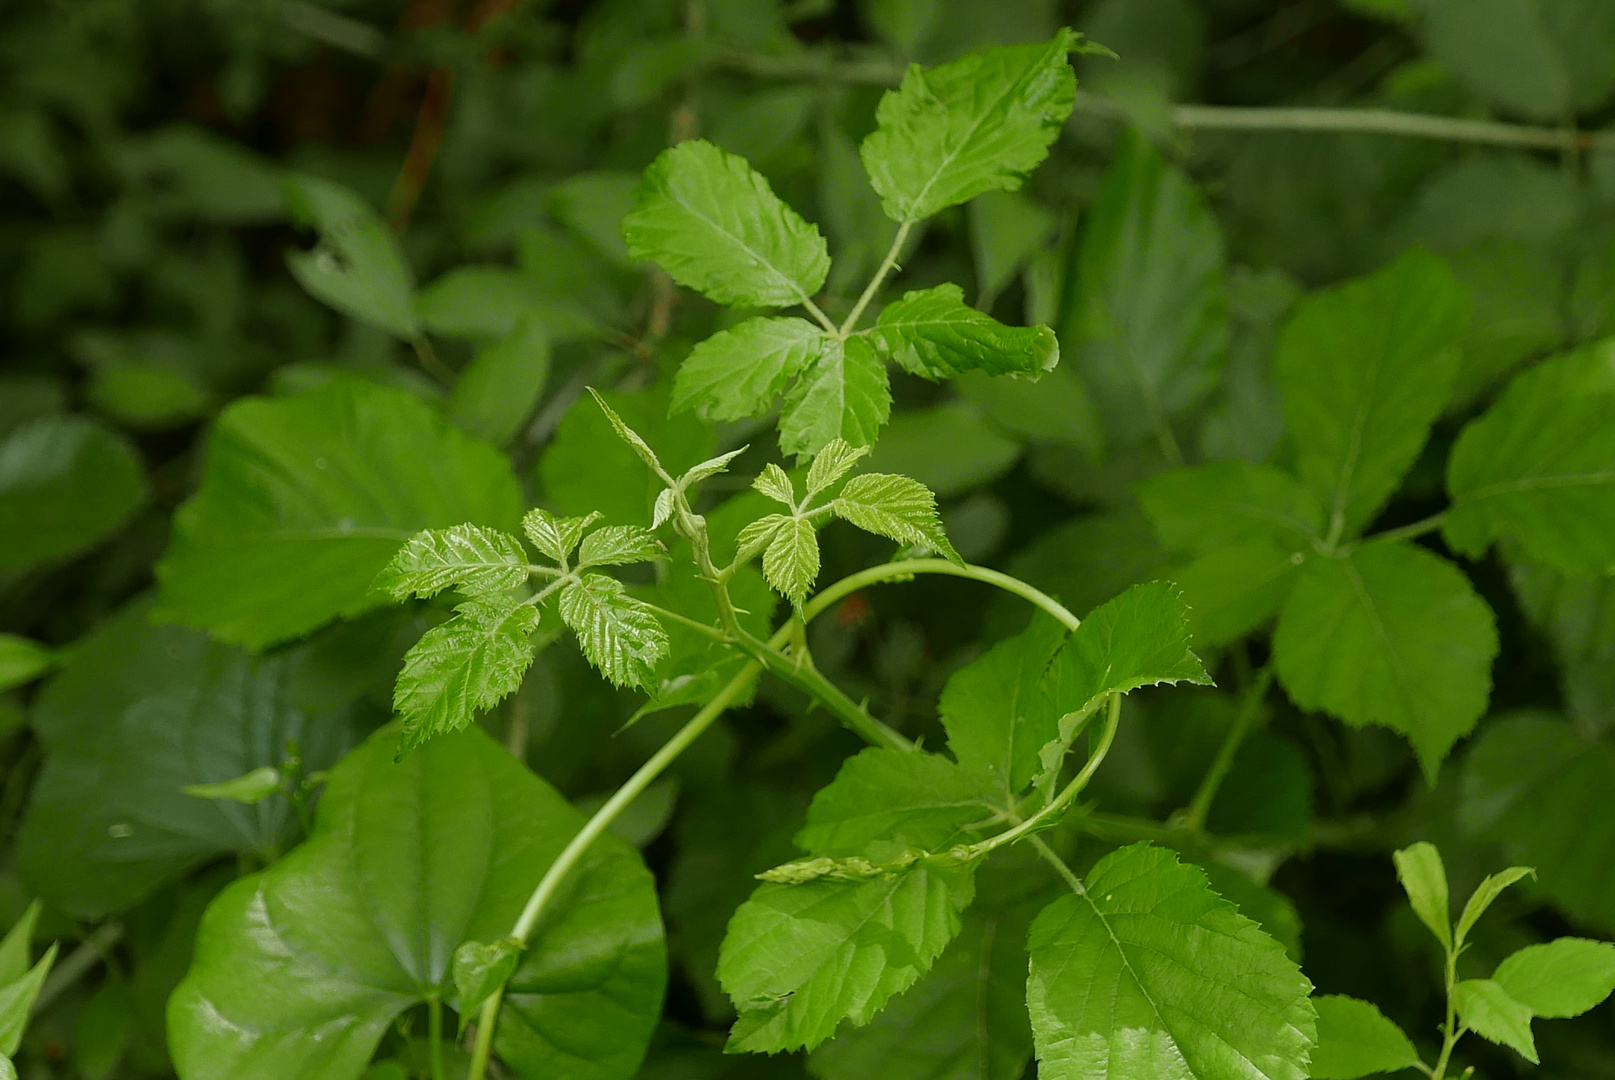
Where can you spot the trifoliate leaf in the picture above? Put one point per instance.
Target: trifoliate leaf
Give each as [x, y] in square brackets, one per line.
[978, 124]
[462, 667]
[359, 267]
[1488, 1011]
[843, 395]
[933, 333]
[1365, 368]
[17, 1002]
[619, 545]
[470, 558]
[798, 960]
[480, 969]
[1141, 638]
[713, 223]
[1145, 317]
[619, 634]
[1148, 952]
[897, 508]
[831, 464]
[1355, 1039]
[739, 372]
[1231, 502]
[791, 561]
[1540, 466]
[22, 661]
[1561, 978]
[1389, 635]
[1424, 879]
[884, 802]
[305, 499]
[250, 788]
[774, 482]
[1490, 888]
[556, 537]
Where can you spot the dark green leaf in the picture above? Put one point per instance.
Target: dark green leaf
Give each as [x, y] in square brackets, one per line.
[474, 560]
[463, 667]
[1006, 228]
[493, 397]
[1355, 1039]
[1148, 949]
[981, 123]
[618, 633]
[739, 372]
[715, 225]
[949, 448]
[301, 968]
[1565, 977]
[884, 802]
[22, 661]
[66, 483]
[1365, 368]
[1545, 59]
[358, 267]
[1488, 1011]
[933, 333]
[1389, 635]
[304, 500]
[493, 303]
[1231, 502]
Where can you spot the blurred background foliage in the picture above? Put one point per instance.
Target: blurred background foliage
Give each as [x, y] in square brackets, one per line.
[144, 242]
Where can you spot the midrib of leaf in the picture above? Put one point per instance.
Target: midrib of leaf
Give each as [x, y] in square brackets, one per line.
[983, 977]
[1354, 449]
[1533, 483]
[748, 249]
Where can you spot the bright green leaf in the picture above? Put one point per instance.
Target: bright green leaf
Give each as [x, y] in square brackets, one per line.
[1146, 320]
[775, 483]
[618, 633]
[843, 395]
[1540, 466]
[463, 667]
[481, 969]
[897, 508]
[22, 661]
[1355, 1039]
[250, 788]
[358, 266]
[715, 226]
[829, 465]
[1490, 888]
[1488, 1011]
[619, 545]
[1424, 879]
[1365, 368]
[798, 960]
[884, 802]
[1564, 977]
[981, 123]
[739, 372]
[791, 561]
[1198, 991]
[933, 333]
[1389, 635]
[472, 559]
[301, 968]
[304, 500]
[17, 1000]
[494, 396]
[556, 537]
[15, 947]
[66, 483]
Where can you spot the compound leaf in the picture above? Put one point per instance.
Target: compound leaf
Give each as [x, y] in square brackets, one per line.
[981, 123]
[739, 372]
[464, 666]
[472, 559]
[933, 333]
[1365, 368]
[300, 968]
[304, 500]
[791, 561]
[1564, 977]
[1389, 635]
[799, 959]
[1149, 975]
[713, 223]
[1488, 1011]
[1539, 466]
[358, 267]
[1146, 320]
[843, 394]
[618, 633]
[1356, 1039]
[897, 508]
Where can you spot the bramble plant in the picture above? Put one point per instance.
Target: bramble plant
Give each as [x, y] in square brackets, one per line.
[854, 558]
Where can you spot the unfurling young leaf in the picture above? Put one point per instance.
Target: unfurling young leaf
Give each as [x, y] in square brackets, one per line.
[480, 969]
[934, 334]
[1488, 890]
[462, 667]
[981, 123]
[249, 788]
[791, 560]
[1424, 879]
[844, 394]
[1562, 978]
[470, 558]
[1488, 1011]
[619, 545]
[1148, 949]
[1355, 1039]
[713, 223]
[556, 537]
[629, 435]
[831, 464]
[739, 372]
[897, 508]
[618, 633]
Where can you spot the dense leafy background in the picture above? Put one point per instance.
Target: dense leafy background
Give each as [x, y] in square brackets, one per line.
[158, 268]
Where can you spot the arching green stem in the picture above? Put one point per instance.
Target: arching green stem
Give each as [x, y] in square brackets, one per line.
[907, 569]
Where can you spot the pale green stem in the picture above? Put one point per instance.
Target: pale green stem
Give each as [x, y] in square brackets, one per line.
[906, 570]
[1413, 530]
[819, 316]
[1059, 865]
[1195, 817]
[1450, 1031]
[875, 282]
[434, 1037]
